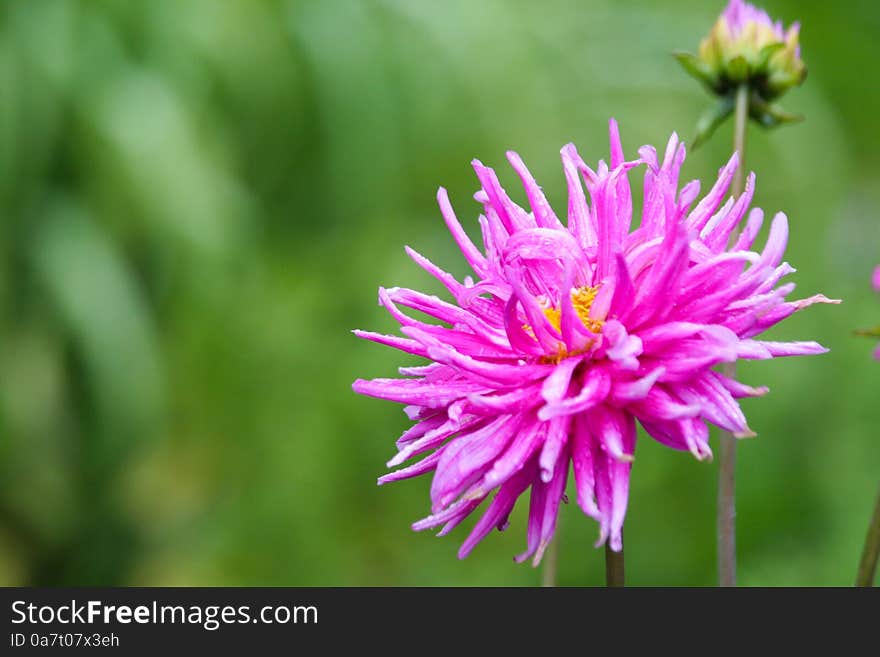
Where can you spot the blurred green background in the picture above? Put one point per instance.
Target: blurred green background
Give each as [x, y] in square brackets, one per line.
[199, 200]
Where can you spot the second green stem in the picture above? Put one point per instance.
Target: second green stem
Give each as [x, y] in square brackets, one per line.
[727, 453]
[871, 553]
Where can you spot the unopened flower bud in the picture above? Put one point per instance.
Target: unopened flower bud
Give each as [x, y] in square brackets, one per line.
[746, 47]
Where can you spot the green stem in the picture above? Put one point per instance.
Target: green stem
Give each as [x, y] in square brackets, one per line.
[740, 122]
[727, 453]
[871, 553]
[727, 503]
[614, 570]
[551, 559]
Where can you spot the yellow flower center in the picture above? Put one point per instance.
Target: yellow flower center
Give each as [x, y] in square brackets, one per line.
[582, 300]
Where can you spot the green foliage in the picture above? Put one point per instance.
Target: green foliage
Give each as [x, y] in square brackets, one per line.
[199, 200]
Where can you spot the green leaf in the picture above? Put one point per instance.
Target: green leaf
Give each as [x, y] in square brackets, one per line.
[781, 80]
[96, 298]
[738, 69]
[770, 115]
[766, 53]
[696, 68]
[871, 332]
[711, 119]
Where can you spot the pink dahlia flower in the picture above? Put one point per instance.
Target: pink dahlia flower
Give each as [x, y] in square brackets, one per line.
[568, 335]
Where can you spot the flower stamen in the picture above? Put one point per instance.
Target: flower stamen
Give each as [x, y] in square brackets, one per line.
[582, 300]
